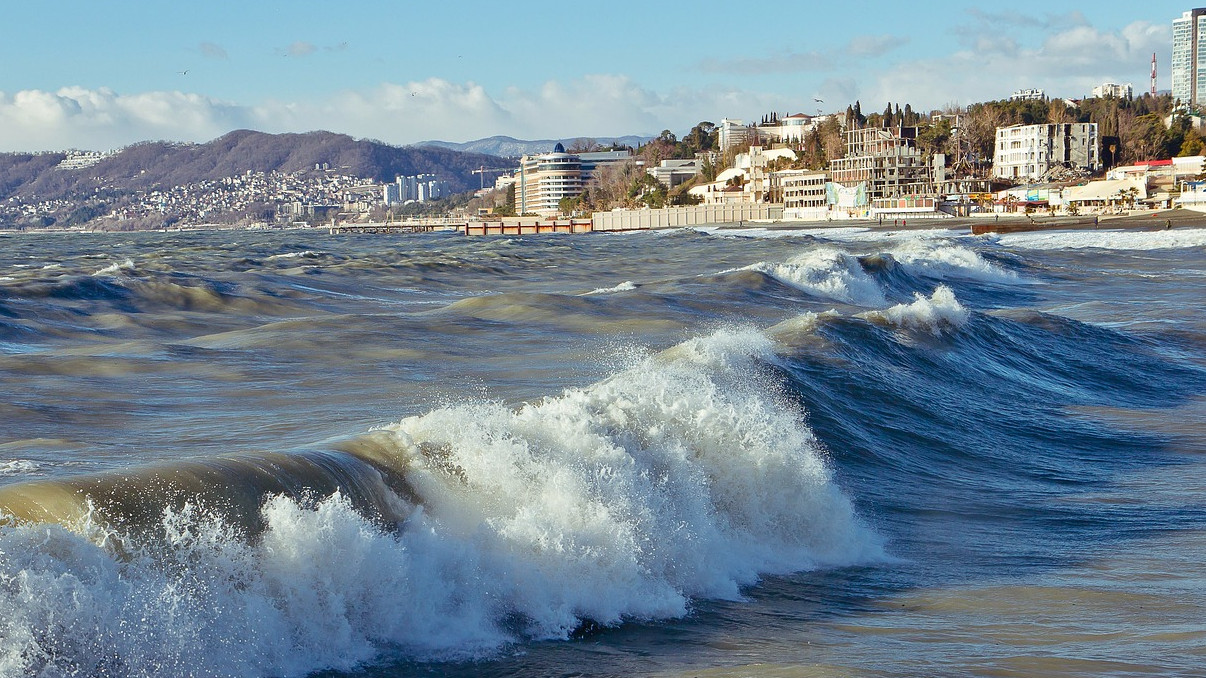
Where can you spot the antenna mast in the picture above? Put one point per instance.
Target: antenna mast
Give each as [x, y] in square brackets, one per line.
[1153, 74]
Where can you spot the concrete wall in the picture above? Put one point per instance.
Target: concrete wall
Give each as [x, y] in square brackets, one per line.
[677, 217]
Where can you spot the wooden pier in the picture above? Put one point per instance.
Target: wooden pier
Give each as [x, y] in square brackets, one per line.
[404, 226]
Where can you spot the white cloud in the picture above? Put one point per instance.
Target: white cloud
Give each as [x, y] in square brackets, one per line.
[399, 113]
[301, 48]
[74, 117]
[212, 51]
[1068, 61]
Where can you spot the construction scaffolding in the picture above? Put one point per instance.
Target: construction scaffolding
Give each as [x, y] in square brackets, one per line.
[888, 160]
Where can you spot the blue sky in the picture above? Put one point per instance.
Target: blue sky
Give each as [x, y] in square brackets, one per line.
[99, 75]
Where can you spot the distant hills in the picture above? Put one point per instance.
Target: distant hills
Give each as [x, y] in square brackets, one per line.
[162, 164]
[507, 147]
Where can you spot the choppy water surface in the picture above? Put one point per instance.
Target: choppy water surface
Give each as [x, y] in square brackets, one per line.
[722, 453]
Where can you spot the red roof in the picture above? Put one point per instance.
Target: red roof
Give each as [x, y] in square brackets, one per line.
[1154, 163]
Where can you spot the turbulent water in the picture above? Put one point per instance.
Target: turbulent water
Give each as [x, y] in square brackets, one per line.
[830, 452]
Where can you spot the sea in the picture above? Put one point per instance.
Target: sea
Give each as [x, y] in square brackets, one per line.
[785, 451]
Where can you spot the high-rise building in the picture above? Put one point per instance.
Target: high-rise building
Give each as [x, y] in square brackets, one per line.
[1189, 58]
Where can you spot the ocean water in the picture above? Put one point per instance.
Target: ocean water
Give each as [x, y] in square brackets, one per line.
[718, 452]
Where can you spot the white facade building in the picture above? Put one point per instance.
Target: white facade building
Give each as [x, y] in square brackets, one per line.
[732, 133]
[1110, 89]
[1188, 58]
[802, 193]
[544, 180]
[1029, 152]
[1028, 95]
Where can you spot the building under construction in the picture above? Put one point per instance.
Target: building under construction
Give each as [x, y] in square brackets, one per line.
[890, 163]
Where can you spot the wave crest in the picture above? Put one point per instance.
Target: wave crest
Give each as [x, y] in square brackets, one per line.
[937, 314]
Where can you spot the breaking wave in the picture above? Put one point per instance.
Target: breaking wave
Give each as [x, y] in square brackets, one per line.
[447, 535]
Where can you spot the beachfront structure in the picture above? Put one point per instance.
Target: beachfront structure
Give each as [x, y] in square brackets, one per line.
[802, 193]
[1111, 89]
[1189, 58]
[543, 181]
[888, 160]
[1028, 95]
[1030, 152]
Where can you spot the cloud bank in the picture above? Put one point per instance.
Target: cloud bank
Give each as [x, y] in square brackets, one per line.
[398, 113]
[1063, 54]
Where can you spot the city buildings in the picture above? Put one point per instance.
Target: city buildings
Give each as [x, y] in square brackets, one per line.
[418, 188]
[1031, 152]
[1189, 59]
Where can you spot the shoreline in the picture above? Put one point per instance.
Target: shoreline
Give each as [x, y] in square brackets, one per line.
[1145, 220]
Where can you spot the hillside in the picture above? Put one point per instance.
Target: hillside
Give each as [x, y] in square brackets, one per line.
[161, 164]
[508, 147]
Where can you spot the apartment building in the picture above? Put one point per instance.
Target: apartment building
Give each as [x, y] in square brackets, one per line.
[802, 193]
[1111, 89]
[1031, 152]
[1189, 59]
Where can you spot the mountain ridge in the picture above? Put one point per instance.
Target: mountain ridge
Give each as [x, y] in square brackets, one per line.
[510, 147]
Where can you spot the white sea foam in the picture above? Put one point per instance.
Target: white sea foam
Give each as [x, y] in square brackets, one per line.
[826, 272]
[937, 314]
[17, 467]
[1179, 238]
[943, 259]
[306, 254]
[625, 286]
[678, 478]
[114, 269]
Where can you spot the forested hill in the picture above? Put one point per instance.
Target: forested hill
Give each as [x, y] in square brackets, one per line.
[163, 164]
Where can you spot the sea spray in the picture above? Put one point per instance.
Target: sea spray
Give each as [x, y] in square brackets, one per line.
[938, 313]
[943, 259]
[828, 273]
[678, 478]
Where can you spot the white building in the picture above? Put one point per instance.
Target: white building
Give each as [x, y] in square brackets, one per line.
[671, 173]
[748, 180]
[417, 188]
[1111, 89]
[802, 193]
[1188, 59]
[543, 181]
[1029, 152]
[732, 133]
[1028, 95]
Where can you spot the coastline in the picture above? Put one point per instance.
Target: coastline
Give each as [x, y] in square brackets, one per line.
[1145, 220]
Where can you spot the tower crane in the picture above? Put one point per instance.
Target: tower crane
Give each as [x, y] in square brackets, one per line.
[483, 170]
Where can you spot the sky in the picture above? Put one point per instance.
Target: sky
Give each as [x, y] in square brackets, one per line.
[101, 75]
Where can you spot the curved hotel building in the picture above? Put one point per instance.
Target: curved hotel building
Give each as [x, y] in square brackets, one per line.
[542, 181]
